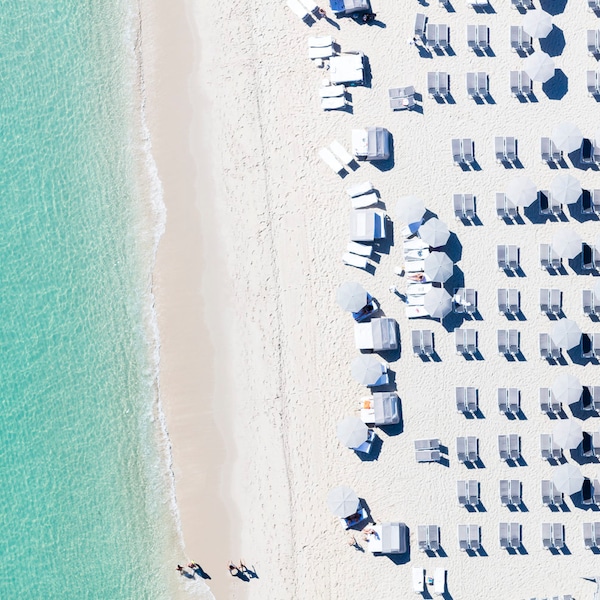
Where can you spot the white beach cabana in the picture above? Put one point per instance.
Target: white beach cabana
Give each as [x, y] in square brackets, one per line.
[343, 501]
[372, 143]
[378, 334]
[347, 7]
[411, 210]
[566, 334]
[386, 408]
[367, 370]
[437, 302]
[351, 296]
[537, 23]
[521, 191]
[352, 432]
[565, 188]
[567, 434]
[539, 66]
[347, 68]
[388, 538]
[366, 225]
[434, 232]
[566, 243]
[438, 266]
[566, 137]
[567, 389]
[568, 479]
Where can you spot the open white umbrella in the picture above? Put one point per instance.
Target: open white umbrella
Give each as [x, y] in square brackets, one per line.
[566, 334]
[437, 302]
[566, 137]
[411, 210]
[351, 296]
[366, 369]
[521, 191]
[568, 479]
[342, 501]
[537, 23]
[352, 432]
[566, 243]
[567, 389]
[565, 188]
[567, 434]
[434, 232]
[539, 66]
[438, 267]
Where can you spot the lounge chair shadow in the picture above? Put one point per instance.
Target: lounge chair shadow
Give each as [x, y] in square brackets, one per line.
[394, 430]
[444, 461]
[565, 550]
[424, 52]
[522, 550]
[553, 7]
[556, 87]
[554, 43]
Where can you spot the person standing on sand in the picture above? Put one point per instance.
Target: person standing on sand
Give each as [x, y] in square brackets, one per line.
[180, 569]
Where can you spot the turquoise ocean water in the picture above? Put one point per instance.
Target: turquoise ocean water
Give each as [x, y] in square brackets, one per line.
[84, 499]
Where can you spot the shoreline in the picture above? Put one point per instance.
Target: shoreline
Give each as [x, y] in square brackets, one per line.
[183, 284]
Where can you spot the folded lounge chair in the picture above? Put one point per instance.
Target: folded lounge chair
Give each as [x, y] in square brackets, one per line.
[439, 582]
[353, 260]
[418, 580]
[330, 160]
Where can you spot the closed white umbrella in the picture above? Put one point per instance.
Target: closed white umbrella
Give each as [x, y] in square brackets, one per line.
[411, 210]
[438, 267]
[565, 188]
[367, 369]
[567, 137]
[351, 296]
[342, 501]
[567, 434]
[567, 479]
[521, 191]
[566, 334]
[352, 432]
[537, 23]
[434, 232]
[539, 66]
[437, 302]
[566, 243]
[567, 389]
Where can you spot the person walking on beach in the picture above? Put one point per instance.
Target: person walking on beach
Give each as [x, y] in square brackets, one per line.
[180, 569]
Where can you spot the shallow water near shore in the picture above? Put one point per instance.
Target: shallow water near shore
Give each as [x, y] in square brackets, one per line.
[85, 491]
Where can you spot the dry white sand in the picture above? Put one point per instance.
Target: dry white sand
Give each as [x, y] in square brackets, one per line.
[281, 220]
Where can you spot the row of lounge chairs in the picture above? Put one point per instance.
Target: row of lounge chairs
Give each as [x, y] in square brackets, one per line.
[510, 493]
[509, 400]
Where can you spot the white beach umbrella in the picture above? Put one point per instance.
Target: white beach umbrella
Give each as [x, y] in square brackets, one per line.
[539, 66]
[537, 23]
[521, 191]
[566, 334]
[366, 369]
[567, 434]
[434, 232]
[352, 432]
[565, 188]
[437, 302]
[567, 389]
[351, 296]
[411, 210]
[342, 501]
[438, 267]
[567, 137]
[566, 243]
[568, 479]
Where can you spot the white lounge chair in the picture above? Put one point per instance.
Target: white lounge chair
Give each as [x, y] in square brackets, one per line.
[330, 160]
[341, 152]
[418, 580]
[360, 249]
[359, 189]
[439, 582]
[353, 260]
[298, 9]
[337, 103]
[332, 91]
[365, 200]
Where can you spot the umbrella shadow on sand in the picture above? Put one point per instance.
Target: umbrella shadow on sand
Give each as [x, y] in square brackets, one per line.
[553, 7]
[556, 87]
[554, 43]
